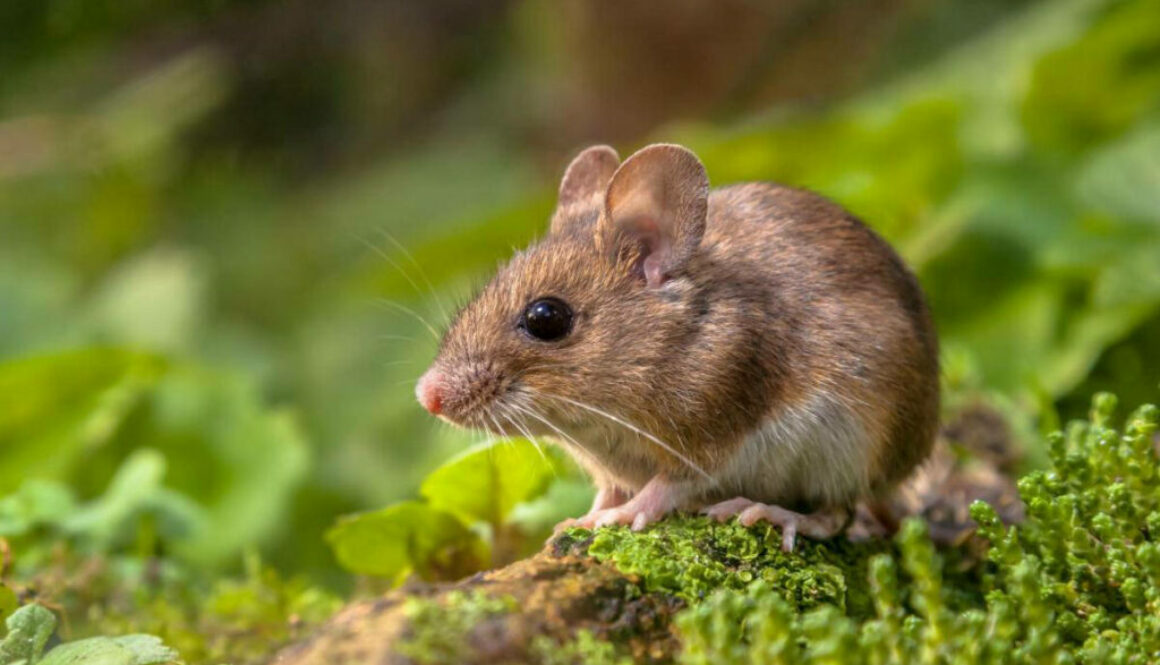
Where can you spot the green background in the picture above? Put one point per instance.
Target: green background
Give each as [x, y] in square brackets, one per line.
[226, 226]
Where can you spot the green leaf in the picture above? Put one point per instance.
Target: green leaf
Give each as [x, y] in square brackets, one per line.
[135, 490]
[35, 503]
[127, 650]
[28, 631]
[78, 416]
[405, 537]
[1123, 178]
[56, 406]
[486, 482]
[1099, 85]
[154, 301]
[239, 460]
[8, 602]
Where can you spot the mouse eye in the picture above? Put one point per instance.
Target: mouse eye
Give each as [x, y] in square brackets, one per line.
[547, 319]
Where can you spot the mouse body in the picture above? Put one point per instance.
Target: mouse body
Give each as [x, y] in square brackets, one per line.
[752, 350]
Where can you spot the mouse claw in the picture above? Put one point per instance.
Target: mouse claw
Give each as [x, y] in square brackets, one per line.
[819, 525]
[609, 518]
[726, 509]
[640, 522]
[566, 524]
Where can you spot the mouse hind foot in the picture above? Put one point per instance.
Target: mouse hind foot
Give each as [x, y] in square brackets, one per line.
[817, 525]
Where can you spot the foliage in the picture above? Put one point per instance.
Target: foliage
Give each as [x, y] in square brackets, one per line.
[965, 175]
[218, 463]
[434, 538]
[1076, 583]
[96, 562]
[193, 371]
[30, 628]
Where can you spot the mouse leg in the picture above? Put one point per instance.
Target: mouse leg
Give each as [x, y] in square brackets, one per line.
[656, 499]
[818, 525]
[606, 497]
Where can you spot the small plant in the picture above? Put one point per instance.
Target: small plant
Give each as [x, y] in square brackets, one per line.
[468, 518]
[30, 628]
[1078, 582]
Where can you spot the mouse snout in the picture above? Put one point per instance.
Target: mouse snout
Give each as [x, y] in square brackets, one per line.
[461, 392]
[430, 391]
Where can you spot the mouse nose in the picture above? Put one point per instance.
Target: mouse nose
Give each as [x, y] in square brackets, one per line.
[429, 391]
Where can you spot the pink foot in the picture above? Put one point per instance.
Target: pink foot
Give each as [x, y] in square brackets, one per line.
[606, 497]
[655, 500]
[817, 525]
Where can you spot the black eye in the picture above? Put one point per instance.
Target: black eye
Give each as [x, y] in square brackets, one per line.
[547, 319]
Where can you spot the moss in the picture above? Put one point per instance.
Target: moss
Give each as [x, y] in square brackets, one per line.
[691, 557]
[440, 628]
[584, 649]
[1077, 582]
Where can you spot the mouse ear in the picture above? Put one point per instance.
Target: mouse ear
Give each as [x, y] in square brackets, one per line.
[585, 177]
[655, 209]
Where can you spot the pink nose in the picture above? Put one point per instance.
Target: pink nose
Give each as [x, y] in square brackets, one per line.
[429, 391]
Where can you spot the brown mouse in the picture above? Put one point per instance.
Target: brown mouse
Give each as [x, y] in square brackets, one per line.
[750, 350]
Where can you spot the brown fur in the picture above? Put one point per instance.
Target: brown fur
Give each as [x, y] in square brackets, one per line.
[785, 296]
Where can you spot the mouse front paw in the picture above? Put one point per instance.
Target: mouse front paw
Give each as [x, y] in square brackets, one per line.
[655, 500]
[627, 515]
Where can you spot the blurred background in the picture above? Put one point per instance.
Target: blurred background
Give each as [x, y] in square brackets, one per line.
[226, 226]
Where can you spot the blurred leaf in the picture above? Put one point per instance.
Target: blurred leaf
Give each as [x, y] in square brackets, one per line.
[1099, 85]
[567, 496]
[36, 502]
[449, 258]
[1134, 279]
[485, 483]
[136, 491]
[28, 631]
[140, 119]
[889, 166]
[237, 459]
[8, 602]
[153, 302]
[79, 416]
[55, 407]
[1123, 178]
[127, 650]
[405, 537]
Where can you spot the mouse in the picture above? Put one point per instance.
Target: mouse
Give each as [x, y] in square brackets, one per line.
[750, 351]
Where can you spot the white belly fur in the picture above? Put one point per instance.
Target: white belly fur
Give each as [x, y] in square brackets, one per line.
[816, 452]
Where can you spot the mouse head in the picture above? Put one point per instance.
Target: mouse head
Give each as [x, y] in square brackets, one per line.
[586, 320]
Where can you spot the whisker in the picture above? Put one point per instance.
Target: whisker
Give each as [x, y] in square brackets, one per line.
[672, 451]
[395, 363]
[499, 433]
[399, 338]
[418, 268]
[523, 430]
[394, 264]
[407, 310]
[531, 412]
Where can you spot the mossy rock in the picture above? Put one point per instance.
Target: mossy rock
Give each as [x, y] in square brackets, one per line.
[591, 597]
[1077, 582]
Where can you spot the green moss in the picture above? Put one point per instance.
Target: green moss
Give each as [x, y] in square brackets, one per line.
[691, 557]
[584, 649]
[1078, 582]
[439, 629]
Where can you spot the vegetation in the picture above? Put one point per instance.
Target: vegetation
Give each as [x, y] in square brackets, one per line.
[1075, 583]
[205, 406]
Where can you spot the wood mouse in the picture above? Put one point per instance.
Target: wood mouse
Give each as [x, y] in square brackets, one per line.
[751, 350]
